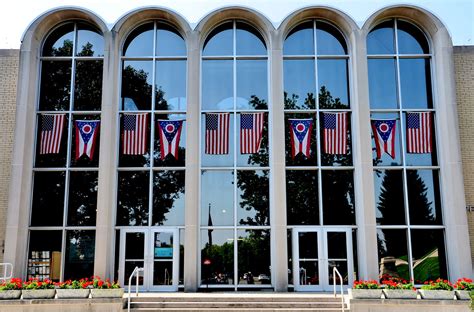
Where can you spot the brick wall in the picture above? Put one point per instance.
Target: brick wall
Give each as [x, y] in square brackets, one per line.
[464, 66]
[8, 80]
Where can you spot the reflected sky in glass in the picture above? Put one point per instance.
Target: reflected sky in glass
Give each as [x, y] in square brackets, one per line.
[411, 39]
[381, 39]
[168, 198]
[332, 74]
[140, 41]
[299, 80]
[300, 41]
[251, 81]
[59, 42]
[253, 197]
[221, 206]
[217, 85]
[170, 85]
[169, 42]
[249, 41]
[423, 197]
[329, 40]
[415, 82]
[220, 41]
[89, 42]
[382, 83]
[137, 80]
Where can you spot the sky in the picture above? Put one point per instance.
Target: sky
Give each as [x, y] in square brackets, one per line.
[16, 15]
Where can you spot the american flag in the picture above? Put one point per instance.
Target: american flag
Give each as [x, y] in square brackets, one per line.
[51, 133]
[419, 132]
[335, 133]
[134, 133]
[217, 133]
[251, 129]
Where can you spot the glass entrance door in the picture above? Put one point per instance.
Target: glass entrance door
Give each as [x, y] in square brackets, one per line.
[316, 252]
[156, 251]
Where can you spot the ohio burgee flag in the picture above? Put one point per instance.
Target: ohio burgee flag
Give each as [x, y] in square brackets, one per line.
[170, 133]
[300, 136]
[384, 136]
[86, 137]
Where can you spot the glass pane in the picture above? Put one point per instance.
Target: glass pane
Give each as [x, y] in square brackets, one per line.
[126, 160]
[134, 246]
[411, 39]
[424, 197]
[171, 159]
[393, 254]
[217, 210]
[82, 203]
[253, 197]
[44, 255]
[88, 85]
[299, 84]
[249, 41]
[252, 245]
[169, 42]
[335, 126]
[299, 146]
[47, 122]
[308, 245]
[86, 154]
[381, 39]
[220, 41]
[80, 250]
[48, 199]
[252, 91]
[391, 145]
[181, 257]
[389, 199]
[170, 85]
[140, 41]
[60, 41]
[421, 159]
[132, 198]
[341, 266]
[337, 246]
[163, 246]
[309, 274]
[217, 257]
[89, 41]
[289, 256]
[168, 198]
[338, 197]
[300, 40]
[163, 273]
[330, 41]
[217, 160]
[55, 89]
[137, 85]
[302, 197]
[217, 85]
[333, 84]
[382, 83]
[429, 255]
[130, 266]
[415, 83]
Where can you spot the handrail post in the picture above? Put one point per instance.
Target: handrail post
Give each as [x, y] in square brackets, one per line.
[334, 272]
[136, 271]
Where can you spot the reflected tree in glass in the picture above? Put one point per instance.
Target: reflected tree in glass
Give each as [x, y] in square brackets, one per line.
[168, 186]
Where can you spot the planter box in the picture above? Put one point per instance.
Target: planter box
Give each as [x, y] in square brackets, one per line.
[10, 294]
[463, 294]
[107, 293]
[366, 293]
[72, 293]
[437, 294]
[38, 293]
[399, 294]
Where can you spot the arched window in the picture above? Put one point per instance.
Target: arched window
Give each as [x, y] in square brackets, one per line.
[65, 172]
[234, 157]
[319, 165]
[152, 151]
[406, 171]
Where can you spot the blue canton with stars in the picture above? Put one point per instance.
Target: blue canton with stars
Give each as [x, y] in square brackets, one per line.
[246, 121]
[413, 120]
[330, 121]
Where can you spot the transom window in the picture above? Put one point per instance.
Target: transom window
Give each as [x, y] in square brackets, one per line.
[406, 174]
[65, 174]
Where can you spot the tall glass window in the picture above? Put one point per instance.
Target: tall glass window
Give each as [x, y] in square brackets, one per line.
[234, 158]
[65, 172]
[406, 171]
[152, 111]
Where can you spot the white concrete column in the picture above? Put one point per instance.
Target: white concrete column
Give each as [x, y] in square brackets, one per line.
[278, 243]
[362, 153]
[106, 195]
[191, 251]
[452, 183]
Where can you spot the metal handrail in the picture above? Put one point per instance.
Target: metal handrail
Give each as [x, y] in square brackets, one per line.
[5, 266]
[136, 271]
[334, 272]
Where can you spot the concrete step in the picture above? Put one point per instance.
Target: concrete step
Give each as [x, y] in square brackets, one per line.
[241, 305]
[236, 309]
[235, 299]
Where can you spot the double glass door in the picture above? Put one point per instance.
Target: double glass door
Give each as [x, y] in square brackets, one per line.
[154, 250]
[316, 252]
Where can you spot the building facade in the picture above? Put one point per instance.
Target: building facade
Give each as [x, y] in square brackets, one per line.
[98, 187]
